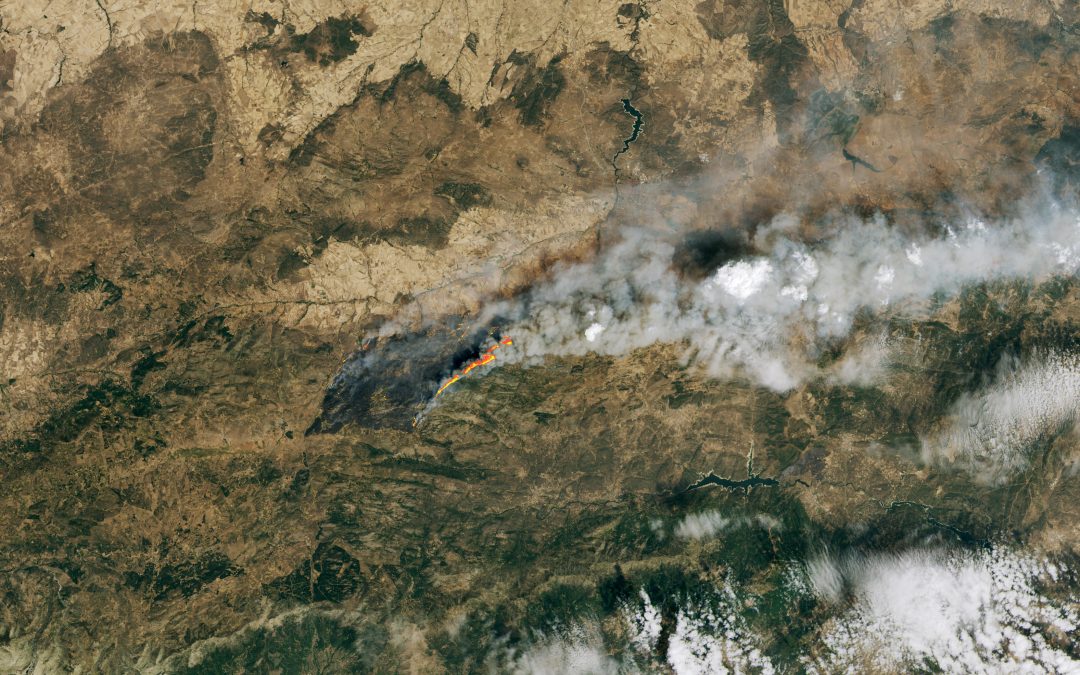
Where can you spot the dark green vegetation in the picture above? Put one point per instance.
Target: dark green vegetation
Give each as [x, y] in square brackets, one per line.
[536, 92]
[86, 280]
[183, 578]
[1061, 156]
[772, 43]
[139, 182]
[312, 642]
[584, 564]
[330, 574]
[198, 226]
[107, 406]
[464, 195]
[327, 43]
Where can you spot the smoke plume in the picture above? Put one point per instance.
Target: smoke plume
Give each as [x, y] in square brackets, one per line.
[767, 317]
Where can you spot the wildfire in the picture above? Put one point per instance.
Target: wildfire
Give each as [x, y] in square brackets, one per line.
[485, 358]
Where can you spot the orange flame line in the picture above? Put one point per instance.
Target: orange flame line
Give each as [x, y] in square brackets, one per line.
[487, 357]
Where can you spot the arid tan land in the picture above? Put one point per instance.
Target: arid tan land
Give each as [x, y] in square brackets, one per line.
[205, 207]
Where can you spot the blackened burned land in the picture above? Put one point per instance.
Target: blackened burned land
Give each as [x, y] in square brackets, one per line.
[390, 380]
[701, 253]
[537, 91]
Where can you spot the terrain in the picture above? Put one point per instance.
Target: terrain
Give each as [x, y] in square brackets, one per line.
[242, 244]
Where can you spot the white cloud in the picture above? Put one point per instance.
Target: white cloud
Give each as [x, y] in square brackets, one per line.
[914, 255]
[966, 612]
[708, 637]
[593, 331]
[578, 649]
[826, 579]
[565, 658]
[742, 279]
[705, 641]
[710, 523]
[992, 430]
[960, 611]
[701, 525]
[884, 276]
[644, 624]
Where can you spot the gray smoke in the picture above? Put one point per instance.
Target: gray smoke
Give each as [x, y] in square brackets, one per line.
[766, 317]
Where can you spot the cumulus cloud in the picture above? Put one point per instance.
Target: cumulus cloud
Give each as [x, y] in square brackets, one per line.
[824, 578]
[563, 658]
[964, 612]
[707, 637]
[990, 610]
[990, 431]
[767, 316]
[713, 522]
[578, 650]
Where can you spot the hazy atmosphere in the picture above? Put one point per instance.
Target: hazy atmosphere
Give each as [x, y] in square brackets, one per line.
[597, 337]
